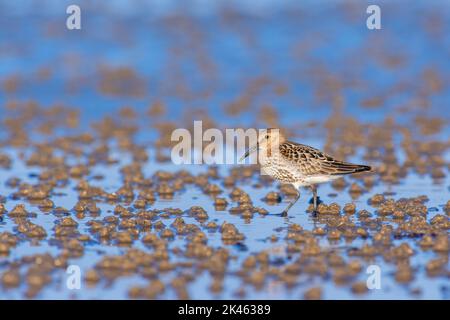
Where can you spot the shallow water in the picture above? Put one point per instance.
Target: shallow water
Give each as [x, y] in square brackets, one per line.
[310, 49]
[257, 233]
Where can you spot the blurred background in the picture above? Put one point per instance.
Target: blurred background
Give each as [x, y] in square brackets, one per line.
[299, 58]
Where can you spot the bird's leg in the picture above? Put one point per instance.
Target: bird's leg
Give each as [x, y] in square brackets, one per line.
[314, 191]
[285, 211]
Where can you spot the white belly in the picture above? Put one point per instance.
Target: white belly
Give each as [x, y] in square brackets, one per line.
[283, 171]
[319, 179]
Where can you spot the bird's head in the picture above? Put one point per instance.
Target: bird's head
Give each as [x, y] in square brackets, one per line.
[268, 141]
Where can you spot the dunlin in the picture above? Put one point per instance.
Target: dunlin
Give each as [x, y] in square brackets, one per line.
[298, 164]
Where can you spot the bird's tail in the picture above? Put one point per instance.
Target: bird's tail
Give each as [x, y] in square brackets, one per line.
[362, 168]
[349, 168]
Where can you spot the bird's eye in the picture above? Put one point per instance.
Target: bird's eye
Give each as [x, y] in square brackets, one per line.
[267, 137]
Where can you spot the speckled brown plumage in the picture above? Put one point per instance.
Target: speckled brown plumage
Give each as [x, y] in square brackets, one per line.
[299, 164]
[311, 161]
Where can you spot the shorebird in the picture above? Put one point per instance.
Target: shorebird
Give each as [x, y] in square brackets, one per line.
[298, 164]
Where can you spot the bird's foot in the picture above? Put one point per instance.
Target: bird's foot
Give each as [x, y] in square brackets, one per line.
[282, 214]
[311, 201]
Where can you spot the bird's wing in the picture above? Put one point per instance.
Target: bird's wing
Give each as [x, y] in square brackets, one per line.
[311, 161]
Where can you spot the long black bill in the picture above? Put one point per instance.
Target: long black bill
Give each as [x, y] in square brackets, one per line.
[249, 152]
